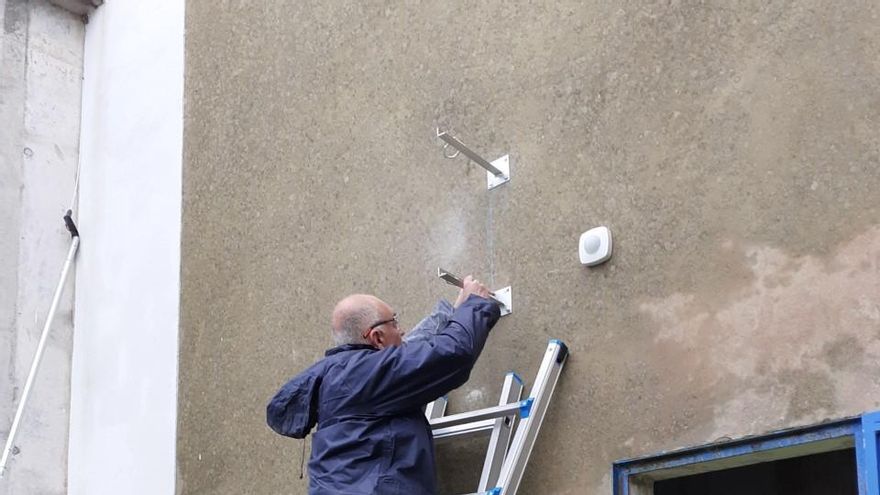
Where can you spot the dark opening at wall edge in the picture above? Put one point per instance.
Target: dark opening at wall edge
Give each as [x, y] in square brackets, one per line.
[835, 457]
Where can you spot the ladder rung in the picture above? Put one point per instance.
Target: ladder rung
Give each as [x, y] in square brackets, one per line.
[512, 409]
[466, 430]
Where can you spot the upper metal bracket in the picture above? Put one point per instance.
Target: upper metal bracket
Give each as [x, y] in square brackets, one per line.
[497, 171]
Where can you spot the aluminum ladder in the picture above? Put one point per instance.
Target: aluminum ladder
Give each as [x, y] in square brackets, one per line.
[513, 424]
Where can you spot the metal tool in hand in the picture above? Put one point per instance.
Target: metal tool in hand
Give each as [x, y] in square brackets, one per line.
[501, 296]
[452, 279]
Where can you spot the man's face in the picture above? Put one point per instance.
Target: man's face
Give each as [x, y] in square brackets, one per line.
[385, 332]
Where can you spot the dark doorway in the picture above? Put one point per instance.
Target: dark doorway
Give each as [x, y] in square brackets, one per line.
[829, 473]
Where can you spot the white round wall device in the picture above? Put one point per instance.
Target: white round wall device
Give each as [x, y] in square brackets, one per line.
[594, 247]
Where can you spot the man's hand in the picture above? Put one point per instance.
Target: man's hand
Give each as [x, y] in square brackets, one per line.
[471, 286]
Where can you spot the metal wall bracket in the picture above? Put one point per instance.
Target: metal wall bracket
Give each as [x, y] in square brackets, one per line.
[497, 171]
[503, 164]
[504, 296]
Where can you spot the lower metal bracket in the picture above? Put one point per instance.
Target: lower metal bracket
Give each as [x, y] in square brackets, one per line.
[504, 297]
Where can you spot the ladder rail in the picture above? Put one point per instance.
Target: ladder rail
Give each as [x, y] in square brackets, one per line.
[436, 408]
[502, 431]
[506, 457]
[527, 432]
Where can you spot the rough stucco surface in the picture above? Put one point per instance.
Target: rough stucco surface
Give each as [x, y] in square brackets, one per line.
[733, 150]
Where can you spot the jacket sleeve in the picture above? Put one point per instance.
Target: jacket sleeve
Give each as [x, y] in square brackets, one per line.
[293, 411]
[402, 378]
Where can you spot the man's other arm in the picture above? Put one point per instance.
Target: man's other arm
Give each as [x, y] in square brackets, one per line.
[409, 376]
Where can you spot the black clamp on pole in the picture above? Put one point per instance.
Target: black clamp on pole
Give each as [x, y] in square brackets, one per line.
[68, 222]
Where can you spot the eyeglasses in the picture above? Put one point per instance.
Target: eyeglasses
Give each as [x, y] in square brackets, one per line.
[392, 320]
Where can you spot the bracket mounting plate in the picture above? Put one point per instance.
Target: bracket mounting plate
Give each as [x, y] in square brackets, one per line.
[502, 164]
[505, 297]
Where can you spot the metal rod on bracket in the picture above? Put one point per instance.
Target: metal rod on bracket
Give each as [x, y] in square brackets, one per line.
[503, 296]
[479, 160]
[451, 279]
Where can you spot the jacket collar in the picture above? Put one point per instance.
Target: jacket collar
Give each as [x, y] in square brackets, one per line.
[349, 347]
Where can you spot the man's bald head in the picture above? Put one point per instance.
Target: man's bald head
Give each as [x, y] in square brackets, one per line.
[352, 316]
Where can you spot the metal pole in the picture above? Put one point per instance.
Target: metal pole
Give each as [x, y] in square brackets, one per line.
[71, 254]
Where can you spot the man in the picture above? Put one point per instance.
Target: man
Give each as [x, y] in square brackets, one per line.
[367, 394]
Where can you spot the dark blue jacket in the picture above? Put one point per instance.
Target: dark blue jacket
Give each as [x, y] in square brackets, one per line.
[372, 434]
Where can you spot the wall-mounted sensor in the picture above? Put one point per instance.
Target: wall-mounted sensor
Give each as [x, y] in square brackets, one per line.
[595, 246]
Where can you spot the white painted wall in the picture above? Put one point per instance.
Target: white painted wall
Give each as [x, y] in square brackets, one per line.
[40, 86]
[124, 376]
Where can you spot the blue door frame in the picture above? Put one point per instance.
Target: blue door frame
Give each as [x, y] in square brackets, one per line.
[866, 453]
[863, 430]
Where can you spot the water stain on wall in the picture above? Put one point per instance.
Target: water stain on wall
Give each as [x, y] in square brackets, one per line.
[798, 345]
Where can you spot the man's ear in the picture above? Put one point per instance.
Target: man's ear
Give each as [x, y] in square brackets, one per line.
[377, 338]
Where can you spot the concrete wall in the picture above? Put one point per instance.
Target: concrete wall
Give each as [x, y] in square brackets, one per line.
[40, 83]
[733, 149]
[124, 376]
[81, 7]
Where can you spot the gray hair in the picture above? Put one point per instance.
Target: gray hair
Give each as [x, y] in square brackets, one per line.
[353, 324]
